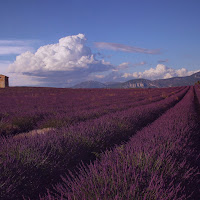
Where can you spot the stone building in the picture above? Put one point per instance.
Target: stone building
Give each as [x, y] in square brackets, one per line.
[3, 81]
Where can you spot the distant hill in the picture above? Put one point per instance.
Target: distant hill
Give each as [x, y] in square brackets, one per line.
[178, 81]
[144, 83]
[135, 83]
[90, 84]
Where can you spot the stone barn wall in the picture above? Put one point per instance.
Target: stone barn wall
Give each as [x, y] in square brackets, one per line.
[3, 81]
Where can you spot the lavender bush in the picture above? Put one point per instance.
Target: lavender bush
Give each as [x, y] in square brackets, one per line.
[26, 109]
[29, 165]
[159, 162]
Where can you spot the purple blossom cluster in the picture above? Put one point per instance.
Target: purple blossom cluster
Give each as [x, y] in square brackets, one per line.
[31, 164]
[160, 162]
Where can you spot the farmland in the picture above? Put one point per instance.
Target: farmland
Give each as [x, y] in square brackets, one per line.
[99, 143]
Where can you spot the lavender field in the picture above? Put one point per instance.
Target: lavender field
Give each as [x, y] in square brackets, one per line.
[100, 144]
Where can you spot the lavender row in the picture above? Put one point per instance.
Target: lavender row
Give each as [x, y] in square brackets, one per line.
[159, 162]
[20, 97]
[197, 92]
[28, 119]
[75, 117]
[43, 97]
[31, 164]
[69, 99]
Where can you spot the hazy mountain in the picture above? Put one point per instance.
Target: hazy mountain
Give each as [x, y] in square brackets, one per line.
[90, 84]
[144, 83]
[111, 83]
[178, 81]
[135, 83]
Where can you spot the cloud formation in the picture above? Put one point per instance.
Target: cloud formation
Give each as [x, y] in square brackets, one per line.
[126, 65]
[3, 66]
[16, 42]
[70, 58]
[6, 50]
[99, 76]
[8, 47]
[163, 61]
[160, 72]
[126, 48]
[71, 61]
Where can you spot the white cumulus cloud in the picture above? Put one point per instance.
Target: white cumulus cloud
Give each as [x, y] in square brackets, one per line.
[70, 58]
[159, 72]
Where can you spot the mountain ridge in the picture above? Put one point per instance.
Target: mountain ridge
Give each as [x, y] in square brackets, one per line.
[144, 83]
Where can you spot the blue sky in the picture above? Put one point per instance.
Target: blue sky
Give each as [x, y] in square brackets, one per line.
[105, 40]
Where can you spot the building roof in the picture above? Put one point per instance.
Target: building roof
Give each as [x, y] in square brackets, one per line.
[4, 75]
